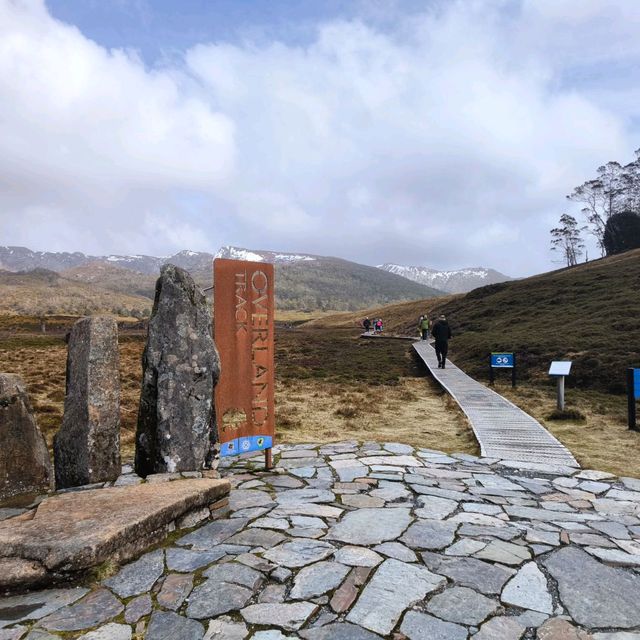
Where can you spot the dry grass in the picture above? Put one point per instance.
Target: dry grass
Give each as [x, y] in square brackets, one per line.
[347, 389]
[601, 441]
[415, 411]
[332, 386]
[42, 362]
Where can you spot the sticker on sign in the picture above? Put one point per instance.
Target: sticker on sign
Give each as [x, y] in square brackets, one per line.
[502, 360]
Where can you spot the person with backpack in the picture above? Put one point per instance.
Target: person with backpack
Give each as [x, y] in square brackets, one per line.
[423, 326]
[442, 334]
[366, 323]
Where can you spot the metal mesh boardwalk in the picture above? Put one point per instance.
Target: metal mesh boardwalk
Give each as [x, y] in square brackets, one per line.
[503, 430]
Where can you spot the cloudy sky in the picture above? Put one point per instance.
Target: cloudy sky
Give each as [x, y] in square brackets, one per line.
[443, 133]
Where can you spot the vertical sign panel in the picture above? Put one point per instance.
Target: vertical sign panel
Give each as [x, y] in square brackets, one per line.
[244, 334]
[633, 394]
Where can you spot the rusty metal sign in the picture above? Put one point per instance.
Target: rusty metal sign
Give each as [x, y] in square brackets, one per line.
[244, 334]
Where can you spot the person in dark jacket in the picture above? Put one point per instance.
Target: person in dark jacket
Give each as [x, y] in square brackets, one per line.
[442, 333]
[366, 323]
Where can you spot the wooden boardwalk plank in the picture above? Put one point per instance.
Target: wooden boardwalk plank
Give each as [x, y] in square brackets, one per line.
[503, 430]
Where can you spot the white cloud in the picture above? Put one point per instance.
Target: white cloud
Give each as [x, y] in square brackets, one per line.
[431, 142]
[92, 136]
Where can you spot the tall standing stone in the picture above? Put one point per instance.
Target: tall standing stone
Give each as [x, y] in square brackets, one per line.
[25, 466]
[176, 421]
[87, 447]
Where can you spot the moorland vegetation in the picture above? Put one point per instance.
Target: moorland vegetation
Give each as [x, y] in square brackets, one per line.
[589, 314]
[332, 386]
[329, 385]
[99, 285]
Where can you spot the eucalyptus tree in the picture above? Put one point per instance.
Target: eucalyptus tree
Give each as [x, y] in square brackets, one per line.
[566, 239]
[616, 189]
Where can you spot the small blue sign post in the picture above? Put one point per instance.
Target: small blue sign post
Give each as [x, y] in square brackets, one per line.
[633, 394]
[502, 361]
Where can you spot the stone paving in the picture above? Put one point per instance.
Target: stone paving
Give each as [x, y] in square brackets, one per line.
[353, 541]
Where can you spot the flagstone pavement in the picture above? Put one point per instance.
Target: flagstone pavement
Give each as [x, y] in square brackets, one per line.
[352, 541]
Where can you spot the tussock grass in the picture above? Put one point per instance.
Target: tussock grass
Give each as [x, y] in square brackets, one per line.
[598, 440]
[41, 361]
[567, 414]
[330, 386]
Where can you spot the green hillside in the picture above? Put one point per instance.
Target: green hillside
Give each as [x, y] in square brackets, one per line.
[589, 313]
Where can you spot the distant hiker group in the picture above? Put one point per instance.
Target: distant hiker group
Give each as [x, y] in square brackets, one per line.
[374, 325]
[440, 331]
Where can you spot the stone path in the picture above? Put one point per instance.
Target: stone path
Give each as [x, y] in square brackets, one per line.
[502, 429]
[353, 541]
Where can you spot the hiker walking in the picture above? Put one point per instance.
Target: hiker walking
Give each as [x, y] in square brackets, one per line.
[366, 323]
[442, 334]
[423, 326]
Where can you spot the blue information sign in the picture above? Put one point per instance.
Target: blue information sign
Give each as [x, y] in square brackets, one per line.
[502, 360]
[636, 383]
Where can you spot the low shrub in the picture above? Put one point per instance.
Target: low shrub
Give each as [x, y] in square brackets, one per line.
[567, 414]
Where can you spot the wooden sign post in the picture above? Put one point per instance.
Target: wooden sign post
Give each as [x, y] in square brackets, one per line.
[244, 335]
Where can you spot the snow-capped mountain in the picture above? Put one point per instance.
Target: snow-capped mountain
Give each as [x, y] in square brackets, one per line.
[199, 263]
[304, 282]
[23, 259]
[237, 253]
[455, 281]
[142, 264]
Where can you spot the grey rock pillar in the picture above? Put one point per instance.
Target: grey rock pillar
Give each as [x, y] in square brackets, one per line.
[87, 447]
[176, 422]
[25, 466]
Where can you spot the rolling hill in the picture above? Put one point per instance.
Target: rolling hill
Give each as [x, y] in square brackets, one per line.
[113, 278]
[303, 282]
[589, 314]
[44, 292]
[333, 283]
[307, 282]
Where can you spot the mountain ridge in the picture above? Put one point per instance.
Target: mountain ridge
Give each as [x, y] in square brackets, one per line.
[304, 282]
[449, 281]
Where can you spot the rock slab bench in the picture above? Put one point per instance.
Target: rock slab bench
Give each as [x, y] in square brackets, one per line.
[71, 532]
